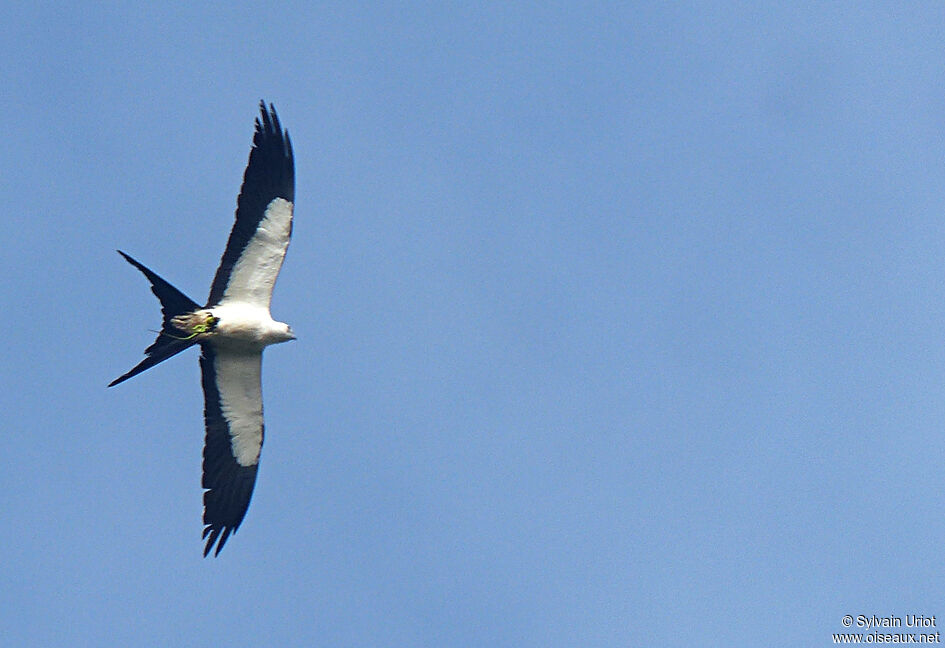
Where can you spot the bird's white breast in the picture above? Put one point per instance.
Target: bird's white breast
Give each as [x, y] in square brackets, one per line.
[246, 325]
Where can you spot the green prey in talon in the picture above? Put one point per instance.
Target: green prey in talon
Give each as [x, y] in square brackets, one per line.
[199, 323]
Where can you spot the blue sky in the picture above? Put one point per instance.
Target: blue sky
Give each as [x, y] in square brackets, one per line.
[619, 324]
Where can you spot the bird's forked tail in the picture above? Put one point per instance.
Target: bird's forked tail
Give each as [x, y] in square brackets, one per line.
[169, 341]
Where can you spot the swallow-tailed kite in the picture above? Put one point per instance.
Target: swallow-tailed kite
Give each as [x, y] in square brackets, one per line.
[234, 328]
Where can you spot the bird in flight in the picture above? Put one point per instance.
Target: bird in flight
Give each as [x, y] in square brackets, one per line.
[233, 329]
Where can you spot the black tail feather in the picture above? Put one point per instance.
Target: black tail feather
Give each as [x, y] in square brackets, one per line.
[168, 342]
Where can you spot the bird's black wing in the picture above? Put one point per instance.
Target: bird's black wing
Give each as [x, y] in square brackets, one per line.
[233, 414]
[260, 235]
